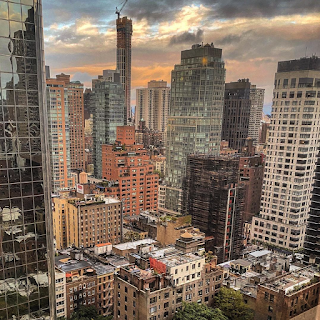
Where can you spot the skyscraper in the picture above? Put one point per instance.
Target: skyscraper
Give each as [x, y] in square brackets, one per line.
[214, 198]
[58, 116]
[152, 105]
[74, 97]
[291, 156]
[194, 123]
[108, 104]
[242, 113]
[26, 239]
[124, 34]
[312, 240]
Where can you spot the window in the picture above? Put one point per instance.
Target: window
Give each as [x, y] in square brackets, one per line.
[166, 295]
[153, 299]
[166, 305]
[153, 309]
[270, 309]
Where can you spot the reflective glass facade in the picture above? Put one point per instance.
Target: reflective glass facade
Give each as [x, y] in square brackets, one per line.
[109, 107]
[195, 118]
[25, 219]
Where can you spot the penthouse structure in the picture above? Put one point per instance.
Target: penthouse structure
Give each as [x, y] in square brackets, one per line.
[195, 118]
[128, 165]
[87, 222]
[291, 156]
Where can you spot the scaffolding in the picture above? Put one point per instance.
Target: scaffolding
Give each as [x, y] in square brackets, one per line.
[214, 198]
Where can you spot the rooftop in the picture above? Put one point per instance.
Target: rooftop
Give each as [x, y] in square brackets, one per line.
[258, 254]
[312, 63]
[133, 245]
[292, 281]
[140, 273]
[179, 259]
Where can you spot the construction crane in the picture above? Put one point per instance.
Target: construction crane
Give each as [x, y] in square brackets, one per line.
[119, 11]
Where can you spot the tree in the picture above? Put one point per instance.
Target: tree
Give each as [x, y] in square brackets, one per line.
[231, 303]
[88, 313]
[195, 311]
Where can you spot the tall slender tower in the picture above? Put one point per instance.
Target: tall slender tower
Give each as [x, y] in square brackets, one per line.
[58, 116]
[74, 97]
[26, 239]
[153, 106]
[292, 154]
[195, 119]
[124, 34]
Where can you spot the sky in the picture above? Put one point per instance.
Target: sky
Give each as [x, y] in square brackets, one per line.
[80, 36]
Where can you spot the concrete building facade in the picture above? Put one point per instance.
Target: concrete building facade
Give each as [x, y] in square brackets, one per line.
[291, 156]
[152, 105]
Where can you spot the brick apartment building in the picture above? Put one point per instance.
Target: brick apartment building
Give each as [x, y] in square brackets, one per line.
[129, 169]
[251, 169]
[87, 222]
[294, 295]
[159, 292]
[86, 284]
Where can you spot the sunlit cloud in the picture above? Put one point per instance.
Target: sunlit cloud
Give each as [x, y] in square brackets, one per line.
[81, 40]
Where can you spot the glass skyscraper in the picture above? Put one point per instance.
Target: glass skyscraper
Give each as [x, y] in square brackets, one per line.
[26, 248]
[109, 110]
[195, 119]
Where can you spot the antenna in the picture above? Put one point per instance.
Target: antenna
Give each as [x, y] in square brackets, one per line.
[306, 52]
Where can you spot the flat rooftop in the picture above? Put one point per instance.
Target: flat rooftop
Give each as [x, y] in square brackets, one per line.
[140, 273]
[290, 281]
[134, 244]
[258, 254]
[178, 259]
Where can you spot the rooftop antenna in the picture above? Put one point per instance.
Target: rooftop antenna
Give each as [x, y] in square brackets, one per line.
[306, 51]
[119, 11]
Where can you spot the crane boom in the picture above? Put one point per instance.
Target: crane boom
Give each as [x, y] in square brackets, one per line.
[119, 11]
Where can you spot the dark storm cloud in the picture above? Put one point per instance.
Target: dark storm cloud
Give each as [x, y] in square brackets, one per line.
[163, 10]
[156, 11]
[187, 37]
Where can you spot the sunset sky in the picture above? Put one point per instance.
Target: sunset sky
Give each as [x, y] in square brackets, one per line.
[80, 36]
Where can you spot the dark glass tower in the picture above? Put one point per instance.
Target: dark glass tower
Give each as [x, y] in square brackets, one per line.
[312, 239]
[26, 248]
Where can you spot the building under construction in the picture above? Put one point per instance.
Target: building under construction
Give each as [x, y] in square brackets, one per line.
[215, 199]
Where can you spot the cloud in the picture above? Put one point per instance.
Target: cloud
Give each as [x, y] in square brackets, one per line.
[80, 36]
[187, 37]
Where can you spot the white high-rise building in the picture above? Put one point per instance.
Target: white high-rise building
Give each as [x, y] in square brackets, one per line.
[153, 105]
[293, 147]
